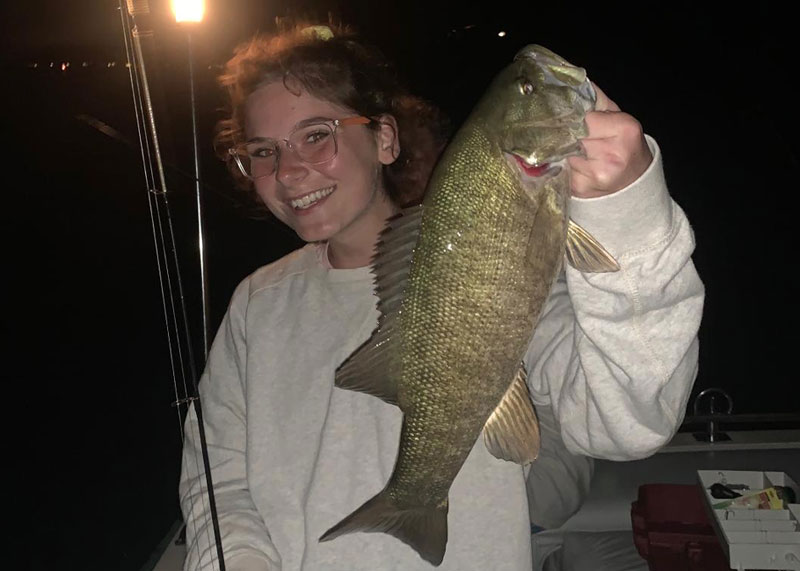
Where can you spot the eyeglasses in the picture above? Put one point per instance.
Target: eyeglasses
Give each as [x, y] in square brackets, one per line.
[314, 143]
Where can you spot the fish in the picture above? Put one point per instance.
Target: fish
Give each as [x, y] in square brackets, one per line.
[461, 281]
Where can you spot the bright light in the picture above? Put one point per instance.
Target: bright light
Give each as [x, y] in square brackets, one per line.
[63, 67]
[501, 34]
[188, 10]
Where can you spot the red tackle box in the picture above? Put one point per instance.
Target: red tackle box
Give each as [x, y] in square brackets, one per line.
[672, 531]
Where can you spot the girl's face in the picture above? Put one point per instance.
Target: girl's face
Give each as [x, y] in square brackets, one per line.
[348, 204]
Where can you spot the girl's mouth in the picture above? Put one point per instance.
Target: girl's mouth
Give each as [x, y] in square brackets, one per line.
[310, 199]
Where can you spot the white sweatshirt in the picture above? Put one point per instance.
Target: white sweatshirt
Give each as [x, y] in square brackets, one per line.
[291, 455]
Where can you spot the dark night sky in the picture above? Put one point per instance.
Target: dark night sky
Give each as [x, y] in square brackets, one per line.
[35, 24]
[713, 87]
[708, 84]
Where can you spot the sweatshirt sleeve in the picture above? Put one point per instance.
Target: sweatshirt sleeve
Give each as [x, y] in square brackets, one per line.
[616, 354]
[245, 538]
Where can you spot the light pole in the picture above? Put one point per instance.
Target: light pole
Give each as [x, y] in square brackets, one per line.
[189, 13]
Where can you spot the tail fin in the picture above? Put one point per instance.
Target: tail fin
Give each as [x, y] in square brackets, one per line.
[423, 528]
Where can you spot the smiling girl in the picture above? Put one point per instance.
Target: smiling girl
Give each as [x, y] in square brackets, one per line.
[333, 146]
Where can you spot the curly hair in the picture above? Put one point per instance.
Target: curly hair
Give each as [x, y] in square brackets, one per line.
[342, 70]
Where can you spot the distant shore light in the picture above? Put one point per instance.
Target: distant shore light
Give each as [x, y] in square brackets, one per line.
[188, 10]
[502, 34]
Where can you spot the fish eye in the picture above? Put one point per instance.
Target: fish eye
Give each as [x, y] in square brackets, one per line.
[526, 87]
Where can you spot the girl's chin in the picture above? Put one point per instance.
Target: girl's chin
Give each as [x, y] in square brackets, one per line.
[313, 234]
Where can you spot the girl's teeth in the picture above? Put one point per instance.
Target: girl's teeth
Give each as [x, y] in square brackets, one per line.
[309, 199]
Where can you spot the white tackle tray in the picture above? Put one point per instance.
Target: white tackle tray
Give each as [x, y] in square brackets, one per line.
[755, 538]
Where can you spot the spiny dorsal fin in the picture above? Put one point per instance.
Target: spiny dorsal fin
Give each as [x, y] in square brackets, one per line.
[585, 254]
[512, 431]
[368, 369]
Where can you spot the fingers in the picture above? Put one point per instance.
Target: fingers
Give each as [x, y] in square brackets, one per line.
[615, 155]
[587, 177]
[615, 151]
[607, 125]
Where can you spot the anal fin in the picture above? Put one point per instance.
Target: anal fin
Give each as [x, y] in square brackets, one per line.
[512, 431]
[585, 254]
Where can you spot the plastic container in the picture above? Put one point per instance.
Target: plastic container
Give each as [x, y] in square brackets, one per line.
[672, 531]
[755, 538]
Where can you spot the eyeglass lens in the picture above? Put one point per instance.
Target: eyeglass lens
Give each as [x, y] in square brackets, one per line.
[313, 144]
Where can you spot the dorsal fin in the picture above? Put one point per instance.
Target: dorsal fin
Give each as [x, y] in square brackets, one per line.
[512, 431]
[584, 253]
[369, 369]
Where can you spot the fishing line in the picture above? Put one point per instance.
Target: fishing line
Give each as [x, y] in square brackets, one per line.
[160, 242]
[156, 225]
[172, 168]
[162, 258]
[201, 240]
[143, 105]
[158, 236]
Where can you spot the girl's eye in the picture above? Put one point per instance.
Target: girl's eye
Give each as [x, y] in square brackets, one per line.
[265, 152]
[315, 137]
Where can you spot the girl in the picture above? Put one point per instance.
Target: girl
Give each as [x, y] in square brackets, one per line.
[332, 145]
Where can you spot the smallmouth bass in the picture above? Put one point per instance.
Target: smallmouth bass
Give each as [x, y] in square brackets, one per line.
[462, 280]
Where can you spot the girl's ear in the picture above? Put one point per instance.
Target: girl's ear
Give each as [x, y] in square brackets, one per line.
[388, 140]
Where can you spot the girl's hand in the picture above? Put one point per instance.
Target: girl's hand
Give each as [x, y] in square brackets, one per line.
[616, 151]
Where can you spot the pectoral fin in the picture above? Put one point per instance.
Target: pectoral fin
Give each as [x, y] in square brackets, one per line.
[512, 431]
[585, 254]
[369, 368]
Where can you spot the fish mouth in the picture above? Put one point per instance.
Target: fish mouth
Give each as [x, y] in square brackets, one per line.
[535, 170]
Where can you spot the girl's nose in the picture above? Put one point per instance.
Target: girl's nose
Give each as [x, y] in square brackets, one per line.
[290, 168]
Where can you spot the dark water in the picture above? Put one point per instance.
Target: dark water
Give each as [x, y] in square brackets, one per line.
[89, 369]
[89, 347]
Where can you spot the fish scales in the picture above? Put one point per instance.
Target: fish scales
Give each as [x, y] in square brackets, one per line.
[487, 262]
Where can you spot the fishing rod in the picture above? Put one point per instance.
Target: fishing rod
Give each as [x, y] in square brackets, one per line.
[170, 167]
[138, 35]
